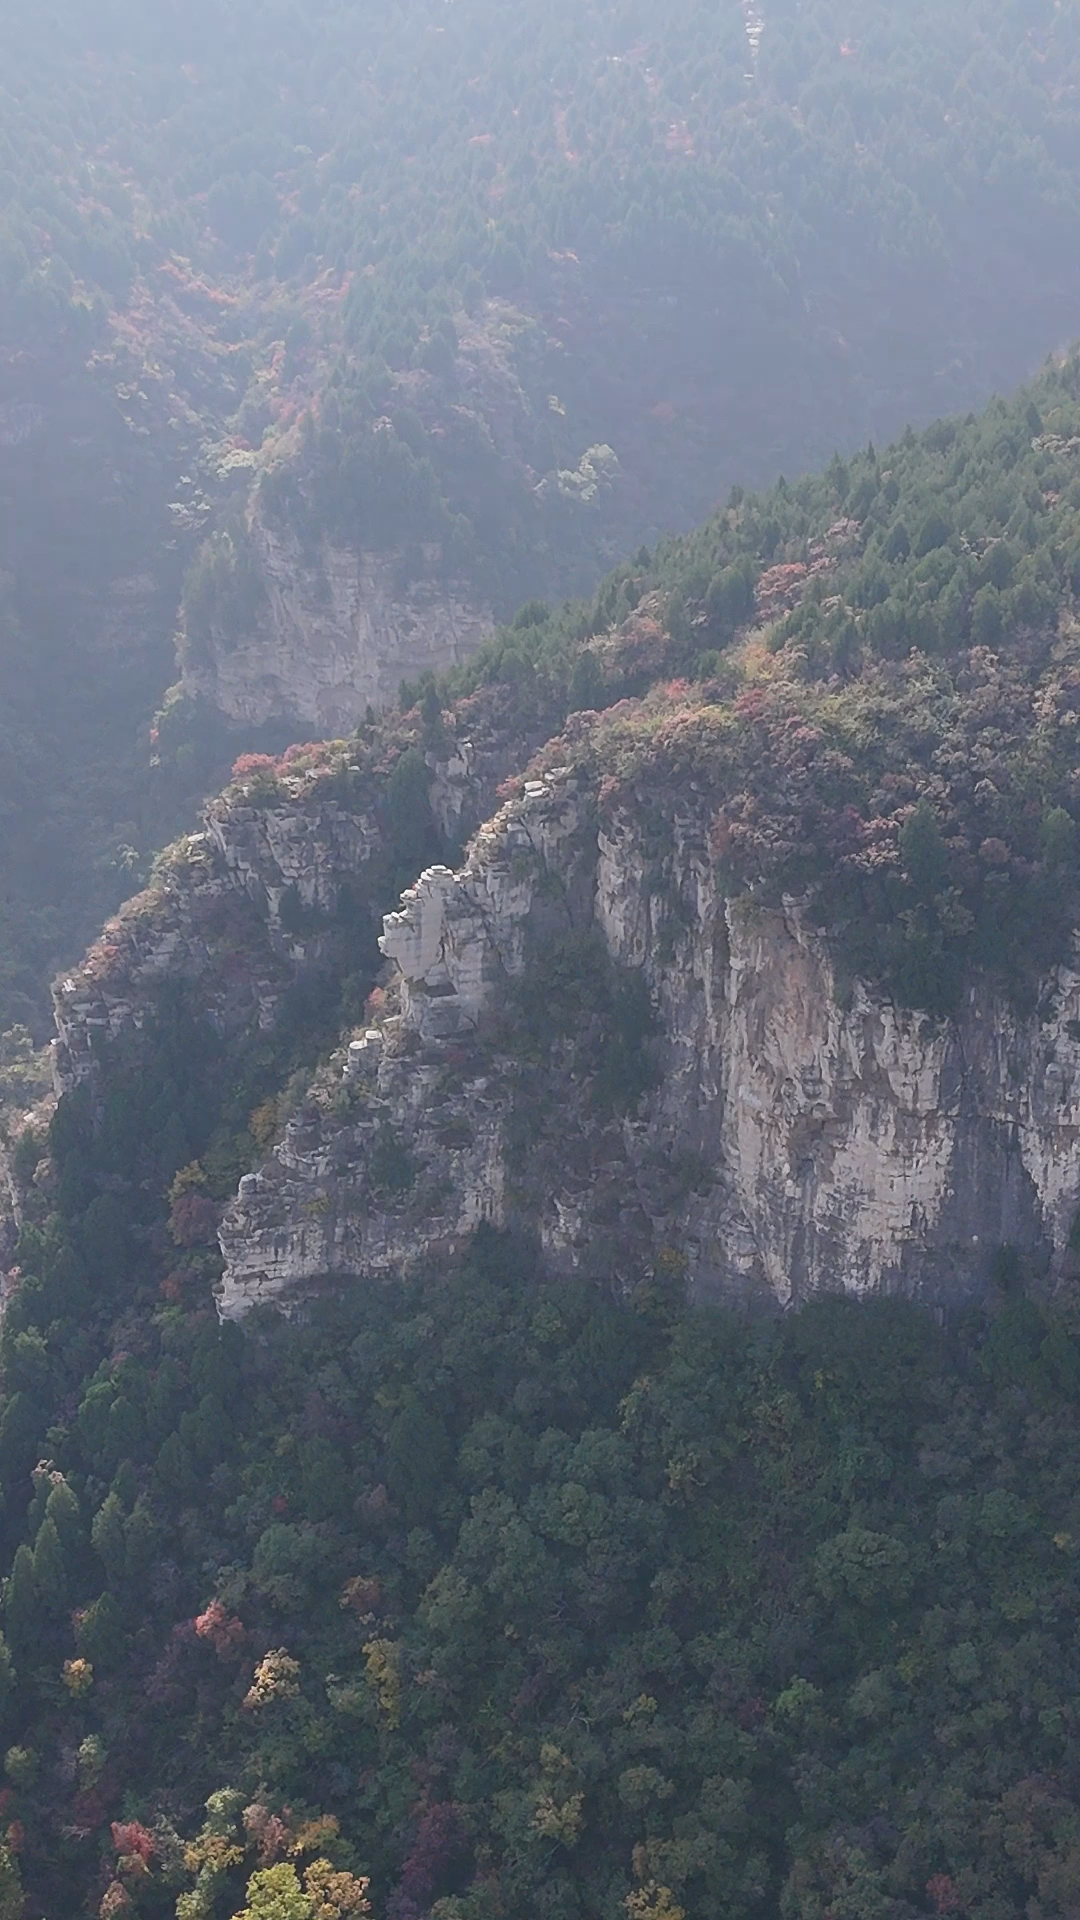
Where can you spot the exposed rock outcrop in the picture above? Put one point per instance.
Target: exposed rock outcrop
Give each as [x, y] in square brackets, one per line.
[334, 637]
[788, 1143]
[245, 908]
[175, 933]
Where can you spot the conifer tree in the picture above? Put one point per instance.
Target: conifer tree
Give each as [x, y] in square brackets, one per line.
[22, 1604]
[107, 1535]
[50, 1569]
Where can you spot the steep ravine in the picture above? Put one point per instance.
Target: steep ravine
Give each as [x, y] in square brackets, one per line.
[787, 1143]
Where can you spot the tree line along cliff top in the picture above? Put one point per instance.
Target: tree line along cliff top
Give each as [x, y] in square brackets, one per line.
[875, 673]
[502, 296]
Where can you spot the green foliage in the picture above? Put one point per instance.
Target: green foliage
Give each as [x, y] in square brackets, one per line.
[12, 1898]
[570, 1600]
[21, 1766]
[50, 1569]
[21, 1611]
[572, 1003]
[922, 850]
[537, 1588]
[412, 835]
[903, 759]
[525, 1528]
[276, 1894]
[387, 304]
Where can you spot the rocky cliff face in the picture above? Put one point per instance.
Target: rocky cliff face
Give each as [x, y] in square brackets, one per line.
[177, 933]
[238, 912]
[334, 637]
[243, 909]
[787, 1143]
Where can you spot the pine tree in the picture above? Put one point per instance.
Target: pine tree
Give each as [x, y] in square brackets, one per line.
[62, 1508]
[50, 1569]
[107, 1535]
[7, 1676]
[22, 1605]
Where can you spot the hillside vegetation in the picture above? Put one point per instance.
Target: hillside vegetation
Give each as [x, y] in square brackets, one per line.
[473, 1595]
[876, 674]
[309, 218]
[478, 1595]
[523, 1599]
[505, 293]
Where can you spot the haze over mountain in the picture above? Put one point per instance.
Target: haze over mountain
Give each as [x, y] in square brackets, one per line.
[378, 321]
[539, 1335]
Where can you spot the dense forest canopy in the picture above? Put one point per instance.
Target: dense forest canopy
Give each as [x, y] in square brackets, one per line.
[351, 183]
[512, 1598]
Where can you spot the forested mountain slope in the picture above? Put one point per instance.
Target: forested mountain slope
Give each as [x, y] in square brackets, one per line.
[821, 879]
[375, 322]
[520, 1592]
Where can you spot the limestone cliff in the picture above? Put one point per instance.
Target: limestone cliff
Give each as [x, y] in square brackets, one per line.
[786, 1143]
[269, 890]
[332, 637]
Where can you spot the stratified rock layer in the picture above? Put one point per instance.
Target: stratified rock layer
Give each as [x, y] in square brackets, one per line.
[789, 1144]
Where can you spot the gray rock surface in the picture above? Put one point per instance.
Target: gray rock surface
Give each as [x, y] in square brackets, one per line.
[335, 637]
[243, 909]
[789, 1144]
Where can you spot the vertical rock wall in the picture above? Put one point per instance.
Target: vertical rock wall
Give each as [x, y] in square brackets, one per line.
[334, 637]
[790, 1143]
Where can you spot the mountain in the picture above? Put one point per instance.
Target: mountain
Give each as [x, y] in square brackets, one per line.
[766, 968]
[331, 335]
[534, 1562]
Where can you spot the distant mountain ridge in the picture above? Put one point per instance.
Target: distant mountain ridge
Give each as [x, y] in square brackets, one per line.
[482, 307]
[796, 799]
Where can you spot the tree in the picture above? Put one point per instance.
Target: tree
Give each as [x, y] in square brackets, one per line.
[98, 1629]
[986, 618]
[1057, 838]
[22, 1604]
[62, 1508]
[107, 1536]
[586, 683]
[419, 1459]
[334, 1895]
[923, 850]
[7, 1676]
[276, 1894]
[50, 1569]
[413, 838]
[872, 1569]
[12, 1897]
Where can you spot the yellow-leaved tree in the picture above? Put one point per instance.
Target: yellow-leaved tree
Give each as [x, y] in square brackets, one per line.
[276, 1893]
[653, 1902]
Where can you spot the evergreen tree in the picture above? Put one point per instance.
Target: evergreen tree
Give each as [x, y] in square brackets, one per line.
[107, 1536]
[22, 1612]
[50, 1570]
